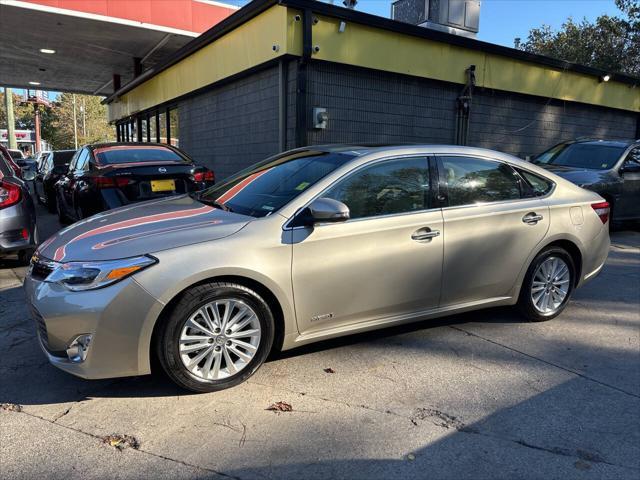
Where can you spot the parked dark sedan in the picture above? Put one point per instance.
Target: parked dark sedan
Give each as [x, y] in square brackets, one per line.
[17, 214]
[8, 159]
[607, 167]
[54, 165]
[105, 176]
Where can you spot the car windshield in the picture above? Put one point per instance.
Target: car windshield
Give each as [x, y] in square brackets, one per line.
[63, 157]
[134, 154]
[16, 154]
[268, 186]
[582, 155]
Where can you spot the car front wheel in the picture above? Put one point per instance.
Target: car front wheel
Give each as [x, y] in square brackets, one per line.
[548, 285]
[216, 337]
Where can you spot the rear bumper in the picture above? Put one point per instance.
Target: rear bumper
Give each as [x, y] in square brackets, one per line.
[13, 221]
[596, 256]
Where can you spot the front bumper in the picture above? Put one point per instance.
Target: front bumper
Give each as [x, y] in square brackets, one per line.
[116, 316]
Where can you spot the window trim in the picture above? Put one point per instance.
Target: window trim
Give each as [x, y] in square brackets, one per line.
[445, 186]
[431, 198]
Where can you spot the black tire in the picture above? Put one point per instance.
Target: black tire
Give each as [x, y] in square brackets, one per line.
[49, 203]
[62, 218]
[167, 338]
[525, 302]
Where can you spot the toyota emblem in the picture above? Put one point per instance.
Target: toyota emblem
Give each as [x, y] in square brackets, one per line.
[162, 170]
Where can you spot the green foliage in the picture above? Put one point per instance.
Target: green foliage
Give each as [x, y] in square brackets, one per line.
[56, 121]
[608, 43]
[23, 114]
[91, 122]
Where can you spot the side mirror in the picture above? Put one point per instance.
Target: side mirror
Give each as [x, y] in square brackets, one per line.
[630, 167]
[28, 174]
[324, 210]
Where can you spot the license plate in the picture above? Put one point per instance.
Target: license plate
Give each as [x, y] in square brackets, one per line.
[163, 185]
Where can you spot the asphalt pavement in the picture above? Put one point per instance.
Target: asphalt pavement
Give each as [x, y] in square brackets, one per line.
[479, 395]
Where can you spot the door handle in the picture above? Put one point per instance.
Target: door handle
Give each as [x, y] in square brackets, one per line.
[424, 234]
[532, 218]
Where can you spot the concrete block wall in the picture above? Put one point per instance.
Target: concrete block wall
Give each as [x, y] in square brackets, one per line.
[234, 125]
[374, 106]
[525, 125]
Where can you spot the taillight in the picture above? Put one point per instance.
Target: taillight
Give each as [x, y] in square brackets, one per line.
[204, 176]
[602, 209]
[111, 182]
[10, 194]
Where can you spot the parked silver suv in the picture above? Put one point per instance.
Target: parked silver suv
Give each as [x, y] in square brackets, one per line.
[308, 245]
[17, 214]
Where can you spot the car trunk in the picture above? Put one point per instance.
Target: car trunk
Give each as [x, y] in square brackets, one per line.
[146, 182]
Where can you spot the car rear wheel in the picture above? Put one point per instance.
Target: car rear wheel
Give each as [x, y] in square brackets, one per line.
[49, 203]
[62, 218]
[216, 337]
[548, 285]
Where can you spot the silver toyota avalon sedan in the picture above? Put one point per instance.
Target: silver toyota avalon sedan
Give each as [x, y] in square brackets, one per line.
[311, 244]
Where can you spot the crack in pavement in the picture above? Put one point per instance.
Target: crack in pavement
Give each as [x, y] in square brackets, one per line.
[566, 369]
[446, 421]
[141, 450]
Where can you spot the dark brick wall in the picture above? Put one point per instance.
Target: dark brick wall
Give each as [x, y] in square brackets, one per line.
[234, 125]
[373, 106]
[525, 125]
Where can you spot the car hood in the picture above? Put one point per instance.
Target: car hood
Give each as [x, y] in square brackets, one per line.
[140, 229]
[580, 176]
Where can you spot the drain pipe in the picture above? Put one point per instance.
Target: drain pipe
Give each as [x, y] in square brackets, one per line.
[463, 107]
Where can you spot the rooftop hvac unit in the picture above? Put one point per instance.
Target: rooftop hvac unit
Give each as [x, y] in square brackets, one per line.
[461, 17]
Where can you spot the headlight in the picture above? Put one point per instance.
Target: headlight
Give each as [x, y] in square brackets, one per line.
[79, 276]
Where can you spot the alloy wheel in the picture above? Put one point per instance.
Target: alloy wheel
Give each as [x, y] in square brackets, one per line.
[550, 285]
[219, 339]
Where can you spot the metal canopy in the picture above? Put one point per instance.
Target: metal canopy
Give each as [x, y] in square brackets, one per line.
[90, 49]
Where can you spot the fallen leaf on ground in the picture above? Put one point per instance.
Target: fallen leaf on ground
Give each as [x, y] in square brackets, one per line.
[280, 407]
[10, 407]
[121, 442]
[329, 370]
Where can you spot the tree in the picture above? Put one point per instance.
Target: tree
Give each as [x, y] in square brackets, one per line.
[23, 114]
[91, 122]
[609, 43]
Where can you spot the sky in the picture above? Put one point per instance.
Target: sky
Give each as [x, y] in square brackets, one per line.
[501, 21]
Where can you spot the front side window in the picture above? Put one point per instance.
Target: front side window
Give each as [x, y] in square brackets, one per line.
[474, 180]
[634, 157]
[266, 187]
[385, 188]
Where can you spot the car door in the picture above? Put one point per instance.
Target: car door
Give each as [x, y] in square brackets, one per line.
[67, 182]
[628, 206]
[385, 261]
[41, 172]
[490, 228]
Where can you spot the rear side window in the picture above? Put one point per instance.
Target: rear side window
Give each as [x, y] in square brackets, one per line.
[385, 188]
[539, 186]
[133, 154]
[62, 157]
[473, 180]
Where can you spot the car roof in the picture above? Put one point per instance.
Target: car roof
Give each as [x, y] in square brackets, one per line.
[106, 145]
[604, 142]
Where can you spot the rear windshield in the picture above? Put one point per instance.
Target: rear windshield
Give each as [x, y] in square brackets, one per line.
[582, 155]
[15, 154]
[266, 187]
[62, 158]
[115, 155]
